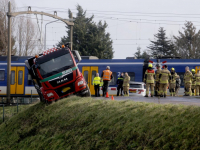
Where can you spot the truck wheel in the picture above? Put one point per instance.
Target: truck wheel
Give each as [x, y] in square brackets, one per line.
[41, 98]
[88, 94]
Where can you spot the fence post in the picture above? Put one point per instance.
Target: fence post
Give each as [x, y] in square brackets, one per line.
[3, 112]
[31, 96]
[17, 104]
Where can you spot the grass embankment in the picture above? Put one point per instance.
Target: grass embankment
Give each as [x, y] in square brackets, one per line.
[9, 111]
[83, 123]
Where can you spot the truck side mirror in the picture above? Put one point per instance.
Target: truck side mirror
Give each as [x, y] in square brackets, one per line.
[76, 55]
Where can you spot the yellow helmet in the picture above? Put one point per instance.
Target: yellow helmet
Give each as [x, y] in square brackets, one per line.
[150, 65]
[193, 70]
[172, 69]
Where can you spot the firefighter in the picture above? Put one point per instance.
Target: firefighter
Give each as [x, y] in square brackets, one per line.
[97, 84]
[197, 79]
[106, 76]
[158, 71]
[187, 81]
[149, 80]
[126, 84]
[193, 82]
[163, 81]
[172, 82]
[120, 84]
[178, 85]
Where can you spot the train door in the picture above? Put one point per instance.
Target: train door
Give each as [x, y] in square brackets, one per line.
[17, 80]
[197, 68]
[89, 73]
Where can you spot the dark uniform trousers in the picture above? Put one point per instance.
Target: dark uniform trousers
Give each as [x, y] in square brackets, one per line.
[119, 87]
[96, 88]
[105, 86]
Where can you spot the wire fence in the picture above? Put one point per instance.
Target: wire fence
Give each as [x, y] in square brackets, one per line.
[17, 104]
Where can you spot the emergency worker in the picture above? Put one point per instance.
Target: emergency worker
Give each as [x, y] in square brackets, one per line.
[158, 71]
[126, 84]
[193, 82]
[106, 76]
[187, 81]
[197, 78]
[172, 82]
[178, 85]
[97, 84]
[120, 84]
[164, 78]
[149, 80]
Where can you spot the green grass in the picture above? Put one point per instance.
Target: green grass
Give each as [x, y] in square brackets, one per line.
[84, 123]
[10, 111]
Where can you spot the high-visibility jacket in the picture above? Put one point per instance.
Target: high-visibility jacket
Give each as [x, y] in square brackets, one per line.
[107, 75]
[188, 77]
[149, 76]
[126, 81]
[164, 76]
[97, 81]
[197, 78]
[173, 78]
[193, 80]
[157, 74]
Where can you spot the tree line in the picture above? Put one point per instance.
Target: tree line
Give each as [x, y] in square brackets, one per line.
[185, 45]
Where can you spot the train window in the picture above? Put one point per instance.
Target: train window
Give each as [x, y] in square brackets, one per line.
[86, 76]
[2, 75]
[30, 82]
[20, 77]
[181, 74]
[12, 80]
[114, 79]
[132, 76]
[93, 75]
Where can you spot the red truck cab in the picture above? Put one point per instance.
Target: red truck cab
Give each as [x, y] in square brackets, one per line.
[56, 75]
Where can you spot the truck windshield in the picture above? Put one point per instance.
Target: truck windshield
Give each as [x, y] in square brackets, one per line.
[56, 65]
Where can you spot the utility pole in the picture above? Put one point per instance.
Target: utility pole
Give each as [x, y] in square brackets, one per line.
[71, 32]
[9, 53]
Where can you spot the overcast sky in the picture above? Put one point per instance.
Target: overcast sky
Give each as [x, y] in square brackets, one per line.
[131, 23]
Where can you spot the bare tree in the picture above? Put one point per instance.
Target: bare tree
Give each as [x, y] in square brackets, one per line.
[4, 27]
[27, 36]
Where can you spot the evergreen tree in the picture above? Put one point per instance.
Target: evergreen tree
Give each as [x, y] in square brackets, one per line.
[89, 38]
[188, 42]
[161, 46]
[140, 55]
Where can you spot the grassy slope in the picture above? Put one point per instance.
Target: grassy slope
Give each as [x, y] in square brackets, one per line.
[82, 123]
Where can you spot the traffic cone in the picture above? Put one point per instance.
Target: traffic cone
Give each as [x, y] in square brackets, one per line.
[112, 98]
[107, 96]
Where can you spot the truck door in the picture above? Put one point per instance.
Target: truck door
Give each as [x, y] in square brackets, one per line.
[89, 73]
[17, 80]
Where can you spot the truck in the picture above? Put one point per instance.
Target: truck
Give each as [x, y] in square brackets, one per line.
[56, 75]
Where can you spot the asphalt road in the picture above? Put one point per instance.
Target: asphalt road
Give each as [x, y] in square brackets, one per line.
[185, 100]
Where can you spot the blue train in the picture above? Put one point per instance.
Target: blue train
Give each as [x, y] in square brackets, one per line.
[22, 85]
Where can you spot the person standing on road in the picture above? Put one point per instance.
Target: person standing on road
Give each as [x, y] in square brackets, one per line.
[149, 80]
[193, 82]
[197, 79]
[106, 76]
[172, 82]
[97, 84]
[187, 81]
[120, 84]
[158, 71]
[178, 85]
[164, 78]
[126, 84]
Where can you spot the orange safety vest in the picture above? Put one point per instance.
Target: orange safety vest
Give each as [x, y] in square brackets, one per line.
[107, 75]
